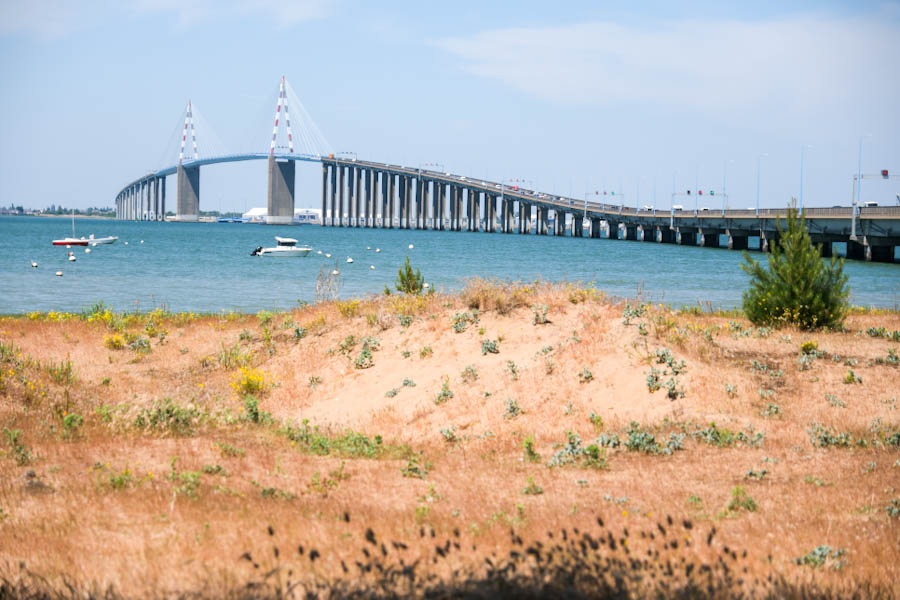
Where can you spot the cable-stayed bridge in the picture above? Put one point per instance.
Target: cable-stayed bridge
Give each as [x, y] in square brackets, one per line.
[360, 193]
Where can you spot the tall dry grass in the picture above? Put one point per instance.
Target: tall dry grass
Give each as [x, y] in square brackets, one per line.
[161, 530]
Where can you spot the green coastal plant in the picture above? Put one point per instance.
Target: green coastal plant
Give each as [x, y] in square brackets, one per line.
[799, 287]
[408, 281]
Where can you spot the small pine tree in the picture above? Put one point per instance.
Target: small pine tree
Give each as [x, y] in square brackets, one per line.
[409, 282]
[799, 287]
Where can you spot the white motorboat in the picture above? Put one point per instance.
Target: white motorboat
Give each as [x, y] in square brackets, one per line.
[285, 247]
[103, 240]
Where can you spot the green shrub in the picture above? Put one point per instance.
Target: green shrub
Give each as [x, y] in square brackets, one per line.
[167, 416]
[490, 347]
[252, 412]
[822, 556]
[20, 451]
[71, 423]
[540, 314]
[531, 454]
[799, 287]
[532, 489]
[512, 409]
[469, 374]
[740, 500]
[409, 282]
[445, 393]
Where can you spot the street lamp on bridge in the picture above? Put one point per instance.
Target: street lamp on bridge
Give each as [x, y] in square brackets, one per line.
[724, 177]
[758, 158]
[802, 153]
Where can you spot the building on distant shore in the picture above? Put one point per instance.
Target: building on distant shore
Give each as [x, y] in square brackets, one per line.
[312, 216]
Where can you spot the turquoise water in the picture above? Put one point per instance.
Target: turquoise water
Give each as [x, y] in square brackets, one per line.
[208, 267]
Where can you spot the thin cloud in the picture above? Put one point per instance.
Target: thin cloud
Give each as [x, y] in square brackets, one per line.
[796, 64]
[50, 19]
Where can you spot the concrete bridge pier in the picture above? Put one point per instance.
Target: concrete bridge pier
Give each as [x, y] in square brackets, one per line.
[356, 202]
[360, 208]
[188, 193]
[737, 242]
[351, 196]
[597, 227]
[709, 238]
[577, 225]
[490, 212]
[324, 193]
[368, 201]
[667, 235]
[506, 215]
[864, 250]
[341, 205]
[382, 209]
[403, 193]
[631, 232]
[460, 207]
[280, 193]
[686, 238]
[437, 209]
[392, 199]
[408, 201]
[451, 192]
[422, 202]
[765, 242]
[472, 211]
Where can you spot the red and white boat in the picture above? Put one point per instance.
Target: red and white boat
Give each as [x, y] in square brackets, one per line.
[89, 241]
[71, 242]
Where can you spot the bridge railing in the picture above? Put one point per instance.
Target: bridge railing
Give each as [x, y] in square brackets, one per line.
[880, 211]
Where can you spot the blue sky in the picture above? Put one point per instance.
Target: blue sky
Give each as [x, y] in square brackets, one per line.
[572, 96]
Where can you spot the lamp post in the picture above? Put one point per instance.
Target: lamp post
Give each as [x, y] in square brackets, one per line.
[802, 153]
[724, 178]
[858, 186]
[758, 158]
[859, 168]
[697, 191]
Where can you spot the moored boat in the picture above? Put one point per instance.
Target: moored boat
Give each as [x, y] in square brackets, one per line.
[71, 241]
[285, 247]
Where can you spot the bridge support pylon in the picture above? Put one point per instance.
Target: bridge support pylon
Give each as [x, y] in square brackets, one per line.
[280, 192]
[188, 193]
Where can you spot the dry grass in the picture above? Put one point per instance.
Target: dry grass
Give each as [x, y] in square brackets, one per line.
[118, 515]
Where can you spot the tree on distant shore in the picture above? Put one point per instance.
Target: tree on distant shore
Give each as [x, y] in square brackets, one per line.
[799, 287]
[409, 282]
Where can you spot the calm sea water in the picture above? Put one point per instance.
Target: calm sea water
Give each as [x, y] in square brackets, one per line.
[208, 267]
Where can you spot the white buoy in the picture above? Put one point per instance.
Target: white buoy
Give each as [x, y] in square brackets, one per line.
[87, 250]
[33, 265]
[349, 260]
[94, 244]
[426, 285]
[126, 243]
[327, 255]
[410, 246]
[71, 259]
[377, 249]
[368, 247]
[142, 241]
[59, 273]
[68, 246]
[372, 267]
[335, 272]
[318, 252]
